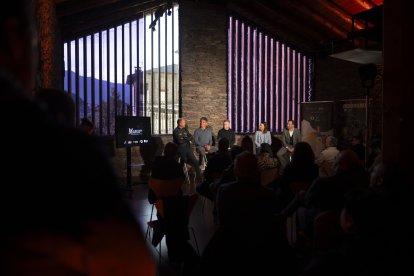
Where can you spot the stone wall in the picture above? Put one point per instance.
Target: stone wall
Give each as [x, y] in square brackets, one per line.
[203, 49]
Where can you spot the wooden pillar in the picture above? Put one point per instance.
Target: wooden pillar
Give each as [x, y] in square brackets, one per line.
[398, 97]
[50, 57]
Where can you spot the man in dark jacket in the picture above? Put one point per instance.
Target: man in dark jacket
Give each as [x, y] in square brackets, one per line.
[182, 137]
[227, 132]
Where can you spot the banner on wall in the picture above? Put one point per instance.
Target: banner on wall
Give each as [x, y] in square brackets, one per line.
[350, 121]
[317, 123]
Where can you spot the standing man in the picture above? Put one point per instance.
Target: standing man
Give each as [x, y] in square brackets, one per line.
[227, 132]
[203, 139]
[182, 137]
[290, 137]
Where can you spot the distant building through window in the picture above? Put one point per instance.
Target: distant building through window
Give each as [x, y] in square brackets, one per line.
[128, 69]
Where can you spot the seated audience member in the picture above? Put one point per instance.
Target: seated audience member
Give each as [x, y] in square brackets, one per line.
[268, 165]
[247, 241]
[148, 153]
[166, 167]
[173, 222]
[228, 173]
[349, 245]
[265, 159]
[327, 157]
[302, 168]
[363, 222]
[58, 104]
[227, 132]
[358, 148]
[262, 136]
[246, 190]
[393, 183]
[227, 176]
[64, 213]
[247, 143]
[87, 126]
[203, 139]
[215, 167]
[326, 193]
[172, 207]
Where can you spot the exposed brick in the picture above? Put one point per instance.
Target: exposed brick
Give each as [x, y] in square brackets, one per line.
[203, 63]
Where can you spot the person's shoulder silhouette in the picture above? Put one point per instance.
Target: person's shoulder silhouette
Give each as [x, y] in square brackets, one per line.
[61, 198]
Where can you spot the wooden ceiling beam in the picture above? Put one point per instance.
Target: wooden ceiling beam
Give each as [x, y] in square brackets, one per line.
[320, 16]
[74, 7]
[299, 19]
[271, 21]
[103, 16]
[341, 13]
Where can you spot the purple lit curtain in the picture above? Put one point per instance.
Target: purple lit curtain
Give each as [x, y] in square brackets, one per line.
[267, 79]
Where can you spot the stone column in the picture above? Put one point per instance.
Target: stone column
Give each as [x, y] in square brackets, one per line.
[203, 63]
[398, 97]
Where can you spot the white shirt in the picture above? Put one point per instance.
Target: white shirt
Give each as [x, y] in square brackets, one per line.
[327, 156]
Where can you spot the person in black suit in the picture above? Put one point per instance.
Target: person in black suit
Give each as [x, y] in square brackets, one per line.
[290, 137]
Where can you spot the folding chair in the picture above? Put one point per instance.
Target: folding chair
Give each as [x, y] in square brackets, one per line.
[164, 187]
[161, 188]
[186, 172]
[154, 224]
[174, 212]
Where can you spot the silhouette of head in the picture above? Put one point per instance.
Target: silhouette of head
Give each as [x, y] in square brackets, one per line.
[247, 143]
[170, 150]
[58, 104]
[223, 144]
[245, 165]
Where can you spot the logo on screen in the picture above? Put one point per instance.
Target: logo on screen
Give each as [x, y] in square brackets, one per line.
[132, 131]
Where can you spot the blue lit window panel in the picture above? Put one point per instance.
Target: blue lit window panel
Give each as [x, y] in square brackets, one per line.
[267, 78]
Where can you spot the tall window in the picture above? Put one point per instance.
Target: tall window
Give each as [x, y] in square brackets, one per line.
[129, 69]
[267, 79]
